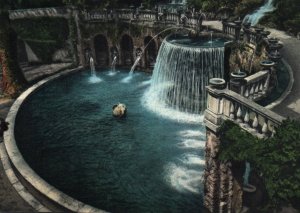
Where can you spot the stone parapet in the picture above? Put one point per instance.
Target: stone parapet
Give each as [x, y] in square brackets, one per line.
[39, 12]
[223, 193]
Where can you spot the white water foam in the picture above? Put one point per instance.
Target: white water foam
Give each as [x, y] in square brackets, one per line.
[145, 83]
[152, 102]
[192, 144]
[192, 159]
[183, 179]
[94, 79]
[127, 79]
[191, 133]
[111, 73]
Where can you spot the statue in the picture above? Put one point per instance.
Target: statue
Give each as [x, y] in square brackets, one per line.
[119, 110]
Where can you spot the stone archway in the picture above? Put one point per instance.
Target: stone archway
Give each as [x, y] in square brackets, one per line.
[126, 44]
[101, 51]
[150, 52]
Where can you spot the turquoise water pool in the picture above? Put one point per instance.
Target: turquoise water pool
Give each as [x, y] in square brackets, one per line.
[142, 163]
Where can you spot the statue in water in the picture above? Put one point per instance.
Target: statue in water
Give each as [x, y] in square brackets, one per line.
[119, 110]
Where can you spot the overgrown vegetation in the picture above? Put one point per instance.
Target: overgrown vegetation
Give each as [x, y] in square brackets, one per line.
[14, 79]
[276, 158]
[44, 35]
[285, 17]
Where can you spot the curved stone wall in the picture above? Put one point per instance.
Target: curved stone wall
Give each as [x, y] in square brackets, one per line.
[52, 194]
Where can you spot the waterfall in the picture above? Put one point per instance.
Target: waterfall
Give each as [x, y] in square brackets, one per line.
[135, 64]
[93, 78]
[181, 74]
[254, 18]
[92, 67]
[113, 64]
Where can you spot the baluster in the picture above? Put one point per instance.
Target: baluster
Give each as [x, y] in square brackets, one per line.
[251, 93]
[261, 86]
[246, 94]
[231, 115]
[256, 88]
[264, 128]
[239, 114]
[247, 118]
[255, 123]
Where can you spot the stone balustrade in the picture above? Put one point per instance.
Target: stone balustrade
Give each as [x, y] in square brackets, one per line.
[256, 86]
[126, 15]
[148, 15]
[39, 12]
[250, 35]
[232, 29]
[223, 104]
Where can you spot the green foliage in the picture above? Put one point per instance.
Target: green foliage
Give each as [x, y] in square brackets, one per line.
[43, 29]
[247, 6]
[276, 158]
[286, 16]
[44, 35]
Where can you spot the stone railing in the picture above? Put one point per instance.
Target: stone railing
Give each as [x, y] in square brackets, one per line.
[38, 12]
[253, 87]
[148, 15]
[250, 36]
[232, 28]
[223, 104]
[142, 16]
[256, 85]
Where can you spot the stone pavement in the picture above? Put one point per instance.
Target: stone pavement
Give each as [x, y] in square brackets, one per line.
[290, 106]
[10, 200]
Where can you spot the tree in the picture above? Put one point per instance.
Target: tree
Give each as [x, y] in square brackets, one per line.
[276, 158]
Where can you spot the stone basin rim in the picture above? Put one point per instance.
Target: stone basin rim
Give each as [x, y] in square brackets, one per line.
[48, 191]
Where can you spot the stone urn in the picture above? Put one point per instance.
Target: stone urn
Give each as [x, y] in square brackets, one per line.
[267, 64]
[217, 83]
[119, 110]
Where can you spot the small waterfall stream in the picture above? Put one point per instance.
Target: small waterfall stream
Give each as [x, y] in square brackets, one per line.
[93, 78]
[254, 18]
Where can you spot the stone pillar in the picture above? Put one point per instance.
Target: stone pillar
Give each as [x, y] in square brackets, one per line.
[237, 82]
[237, 28]
[218, 178]
[224, 25]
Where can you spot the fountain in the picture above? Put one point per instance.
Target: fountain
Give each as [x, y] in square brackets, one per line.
[143, 51]
[183, 68]
[255, 17]
[115, 156]
[93, 78]
[113, 66]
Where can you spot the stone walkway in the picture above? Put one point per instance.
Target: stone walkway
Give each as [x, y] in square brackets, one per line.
[33, 73]
[10, 200]
[290, 106]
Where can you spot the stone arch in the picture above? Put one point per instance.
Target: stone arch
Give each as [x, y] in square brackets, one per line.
[101, 50]
[126, 45]
[150, 51]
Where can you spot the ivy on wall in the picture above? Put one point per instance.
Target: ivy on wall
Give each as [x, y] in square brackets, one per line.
[277, 158]
[44, 35]
[13, 80]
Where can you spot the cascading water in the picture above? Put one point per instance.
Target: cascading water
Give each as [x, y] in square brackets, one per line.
[113, 66]
[93, 79]
[254, 18]
[135, 64]
[180, 75]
